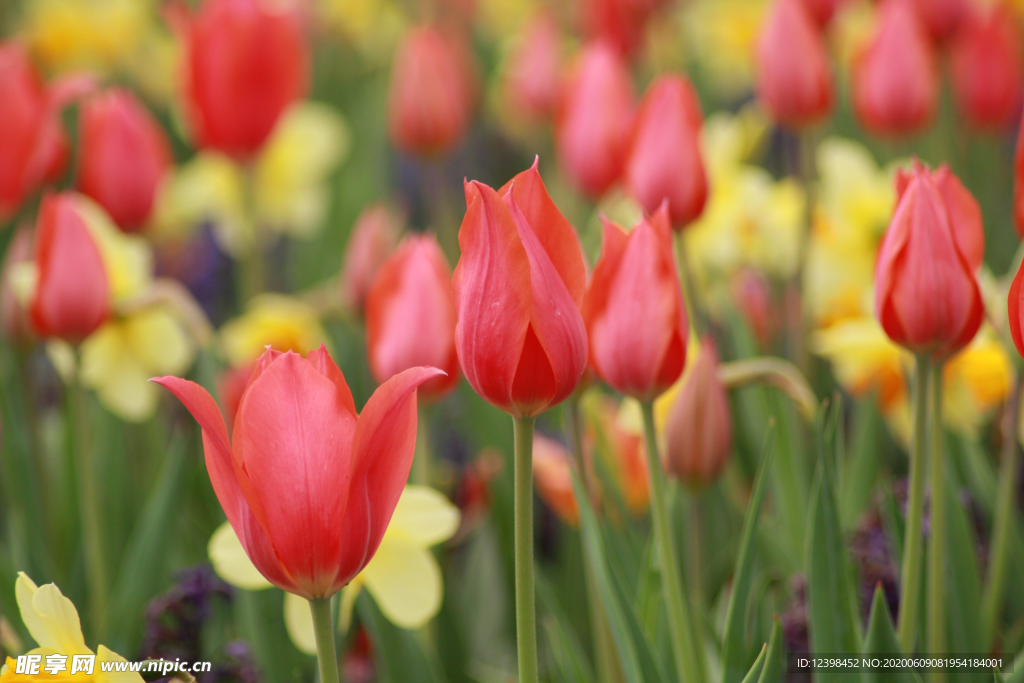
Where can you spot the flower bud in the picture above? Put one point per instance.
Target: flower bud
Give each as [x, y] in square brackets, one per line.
[554, 480]
[794, 79]
[942, 17]
[124, 157]
[985, 63]
[432, 92]
[896, 79]
[72, 294]
[926, 296]
[620, 23]
[374, 237]
[699, 430]
[410, 316]
[533, 73]
[245, 62]
[663, 160]
[593, 119]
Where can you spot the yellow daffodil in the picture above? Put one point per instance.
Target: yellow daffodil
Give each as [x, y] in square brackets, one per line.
[276, 320]
[976, 381]
[403, 577]
[372, 26]
[864, 359]
[750, 218]
[282, 191]
[52, 620]
[723, 34]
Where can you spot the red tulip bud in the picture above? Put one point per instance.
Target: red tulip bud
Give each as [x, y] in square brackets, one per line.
[794, 78]
[518, 289]
[634, 310]
[533, 74]
[1018, 182]
[374, 236]
[72, 296]
[942, 17]
[985, 62]
[432, 92]
[410, 316]
[33, 145]
[551, 471]
[896, 79]
[308, 485]
[245, 63]
[699, 431]
[1016, 311]
[124, 157]
[964, 212]
[926, 296]
[620, 23]
[593, 119]
[664, 160]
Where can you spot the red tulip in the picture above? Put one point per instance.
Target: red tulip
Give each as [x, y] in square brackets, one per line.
[621, 23]
[124, 157]
[664, 159]
[245, 63]
[308, 485]
[926, 296]
[1018, 182]
[551, 471]
[518, 289]
[33, 145]
[699, 432]
[794, 78]
[634, 310]
[1016, 311]
[533, 75]
[964, 212]
[72, 296]
[822, 11]
[374, 237]
[985, 62]
[410, 316]
[431, 95]
[942, 17]
[593, 119]
[896, 79]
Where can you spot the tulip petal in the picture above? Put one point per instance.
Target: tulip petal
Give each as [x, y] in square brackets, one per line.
[554, 232]
[231, 562]
[382, 452]
[1014, 310]
[491, 287]
[293, 443]
[405, 581]
[554, 316]
[321, 360]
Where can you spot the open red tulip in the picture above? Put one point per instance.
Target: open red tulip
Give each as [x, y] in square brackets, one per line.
[926, 296]
[124, 157]
[308, 485]
[664, 159]
[518, 289]
[634, 310]
[896, 79]
[245, 62]
[794, 78]
[72, 296]
[410, 316]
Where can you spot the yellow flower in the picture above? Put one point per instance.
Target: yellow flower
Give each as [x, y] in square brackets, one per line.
[273, 320]
[52, 621]
[127, 259]
[373, 26]
[98, 34]
[282, 191]
[403, 576]
[119, 358]
[975, 381]
[864, 359]
[723, 34]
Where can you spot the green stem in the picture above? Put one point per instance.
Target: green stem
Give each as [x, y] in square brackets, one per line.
[999, 564]
[326, 654]
[936, 633]
[685, 645]
[693, 314]
[910, 579]
[88, 504]
[526, 611]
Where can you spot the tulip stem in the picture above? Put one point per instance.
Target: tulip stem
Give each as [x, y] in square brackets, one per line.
[526, 611]
[910, 579]
[685, 644]
[326, 654]
[1004, 517]
[88, 503]
[689, 287]
[936, 635]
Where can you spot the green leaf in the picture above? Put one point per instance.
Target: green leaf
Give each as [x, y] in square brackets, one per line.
[734, 641]
[773, 663]
[832, 617]
[1017, 676]
[964, 587]
[881, 639]
[143, 570]
[755, 670]
[566, 649]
